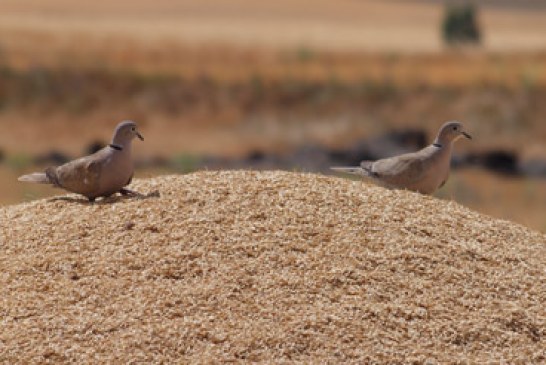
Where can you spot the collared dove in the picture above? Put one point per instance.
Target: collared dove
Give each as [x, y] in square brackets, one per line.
[101, 174]
[423, 171]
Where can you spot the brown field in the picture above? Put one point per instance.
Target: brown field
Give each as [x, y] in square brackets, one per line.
[364, 25]
[226, 78]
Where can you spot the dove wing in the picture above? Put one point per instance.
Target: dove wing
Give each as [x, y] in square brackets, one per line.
[82, 176]
[401, 171]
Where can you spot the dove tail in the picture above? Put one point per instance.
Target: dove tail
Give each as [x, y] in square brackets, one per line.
[36, 177]
[355, 170]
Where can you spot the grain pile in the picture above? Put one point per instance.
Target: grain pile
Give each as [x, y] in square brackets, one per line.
[270, 267]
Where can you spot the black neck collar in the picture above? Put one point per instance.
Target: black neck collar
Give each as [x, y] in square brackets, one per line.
[437, 145]
[116, 146]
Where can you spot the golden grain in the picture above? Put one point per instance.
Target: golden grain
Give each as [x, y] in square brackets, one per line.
[270, 267]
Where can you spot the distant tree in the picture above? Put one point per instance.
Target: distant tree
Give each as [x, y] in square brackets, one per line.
[460, 25]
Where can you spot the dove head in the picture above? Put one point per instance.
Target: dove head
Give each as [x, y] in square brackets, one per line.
[450, 132]
[125, 132]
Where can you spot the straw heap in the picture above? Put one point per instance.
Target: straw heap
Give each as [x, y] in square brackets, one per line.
[271, 267]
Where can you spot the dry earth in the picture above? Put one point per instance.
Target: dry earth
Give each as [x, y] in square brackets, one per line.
[270, 267]
[407, 26]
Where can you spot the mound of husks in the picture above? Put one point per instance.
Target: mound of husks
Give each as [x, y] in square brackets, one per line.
[269, 267]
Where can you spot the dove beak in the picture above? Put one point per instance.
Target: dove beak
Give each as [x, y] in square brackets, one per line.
[140, 136]
[467, 135]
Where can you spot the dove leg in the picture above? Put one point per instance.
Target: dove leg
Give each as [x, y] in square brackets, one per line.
[124, 191]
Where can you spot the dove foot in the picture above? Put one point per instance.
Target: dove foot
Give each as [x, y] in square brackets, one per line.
[127, 192]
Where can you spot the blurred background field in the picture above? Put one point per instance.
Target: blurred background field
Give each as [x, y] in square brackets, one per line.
[294, 84]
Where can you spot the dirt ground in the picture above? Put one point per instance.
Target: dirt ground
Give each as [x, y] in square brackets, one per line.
[408, 26]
